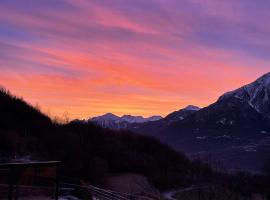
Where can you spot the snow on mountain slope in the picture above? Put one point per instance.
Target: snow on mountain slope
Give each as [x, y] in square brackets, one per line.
[106, 117]
[112, 121]
[191, 107]
[181, 114]
[257, 94]
[154, 118]
[139, 119]
[126, 118]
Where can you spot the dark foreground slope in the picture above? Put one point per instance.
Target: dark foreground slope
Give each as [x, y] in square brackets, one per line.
[89, 152]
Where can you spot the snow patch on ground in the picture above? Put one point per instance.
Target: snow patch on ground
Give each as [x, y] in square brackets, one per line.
[201, 137]
[223, 136]
[250, 148]
[222, 121]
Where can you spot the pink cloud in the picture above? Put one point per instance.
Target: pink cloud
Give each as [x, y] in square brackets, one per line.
[94, 58]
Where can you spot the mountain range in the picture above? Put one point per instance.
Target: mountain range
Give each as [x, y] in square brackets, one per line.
[234, 130]
[115, 122]
[112, 121]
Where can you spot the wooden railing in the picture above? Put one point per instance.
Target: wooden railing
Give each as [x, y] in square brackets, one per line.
[20, 177]
[96, 193]
[20, 180]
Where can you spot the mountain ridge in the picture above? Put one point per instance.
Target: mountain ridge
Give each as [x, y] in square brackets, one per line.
[113, 121]
[235, 128]
[257, 94]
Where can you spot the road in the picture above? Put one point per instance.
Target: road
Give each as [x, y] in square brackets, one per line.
[169, 195]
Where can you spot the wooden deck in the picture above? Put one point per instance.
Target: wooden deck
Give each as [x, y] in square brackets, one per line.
[20, 179]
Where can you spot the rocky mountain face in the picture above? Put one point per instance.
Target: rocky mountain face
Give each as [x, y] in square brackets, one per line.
[256, 94]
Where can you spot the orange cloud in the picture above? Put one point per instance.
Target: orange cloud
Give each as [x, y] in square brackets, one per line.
[140, 59]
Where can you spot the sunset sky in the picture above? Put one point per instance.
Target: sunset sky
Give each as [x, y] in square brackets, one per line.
[140, 57]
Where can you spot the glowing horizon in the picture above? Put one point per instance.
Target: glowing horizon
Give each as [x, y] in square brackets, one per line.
[140, 57]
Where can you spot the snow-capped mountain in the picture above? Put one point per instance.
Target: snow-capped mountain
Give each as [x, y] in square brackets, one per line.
[106, 117]
[112, 121]
[235, 129]
[139, 119]
[257, 94]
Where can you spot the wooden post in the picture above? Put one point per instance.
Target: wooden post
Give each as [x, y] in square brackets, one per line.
[11, 184]
[57, 183]
[10, 191]
[16, 191]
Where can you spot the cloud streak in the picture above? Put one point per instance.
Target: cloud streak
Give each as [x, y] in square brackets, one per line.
[134, 57]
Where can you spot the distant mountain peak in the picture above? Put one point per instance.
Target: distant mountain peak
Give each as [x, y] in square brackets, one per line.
[191, 107]
[110, 115]
[182, 113]
[107, 116]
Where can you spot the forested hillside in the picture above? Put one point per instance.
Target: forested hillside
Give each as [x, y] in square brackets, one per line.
[88, 152]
